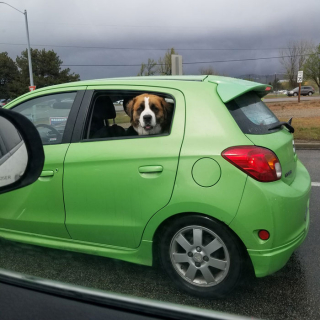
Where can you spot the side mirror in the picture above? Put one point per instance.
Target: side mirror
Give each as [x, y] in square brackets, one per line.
[21, 151]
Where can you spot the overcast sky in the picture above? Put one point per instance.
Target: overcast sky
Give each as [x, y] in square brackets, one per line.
[141, 24]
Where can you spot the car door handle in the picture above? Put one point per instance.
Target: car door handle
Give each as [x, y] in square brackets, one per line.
[150, 169]
[47, 173]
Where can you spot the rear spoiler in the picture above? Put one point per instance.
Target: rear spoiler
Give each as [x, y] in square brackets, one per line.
[233, 88]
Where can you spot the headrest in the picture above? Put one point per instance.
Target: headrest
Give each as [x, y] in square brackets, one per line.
[104, 108]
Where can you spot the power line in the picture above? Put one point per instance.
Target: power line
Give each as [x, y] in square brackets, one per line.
[143, 49]
[188, 63]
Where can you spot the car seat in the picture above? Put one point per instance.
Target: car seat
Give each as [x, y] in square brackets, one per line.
[103, 111]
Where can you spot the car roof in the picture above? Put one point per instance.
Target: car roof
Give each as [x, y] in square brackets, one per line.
[227, 88]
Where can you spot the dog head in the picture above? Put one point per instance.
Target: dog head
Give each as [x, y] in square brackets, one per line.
[149, 114]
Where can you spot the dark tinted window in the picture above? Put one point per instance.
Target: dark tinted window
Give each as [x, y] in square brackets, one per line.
[251, 114]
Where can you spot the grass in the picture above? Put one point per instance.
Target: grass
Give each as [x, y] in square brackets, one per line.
[306, 117]
[279, 96]
[307, 129]
[122, 117]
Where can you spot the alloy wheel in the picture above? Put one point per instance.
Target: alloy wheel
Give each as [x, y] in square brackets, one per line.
[199, 256]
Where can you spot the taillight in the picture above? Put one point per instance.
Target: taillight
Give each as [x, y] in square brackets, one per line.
[259, 163]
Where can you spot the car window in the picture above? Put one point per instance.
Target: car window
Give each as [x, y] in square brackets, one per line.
[49, 114]
[251, 114]
[122, 114]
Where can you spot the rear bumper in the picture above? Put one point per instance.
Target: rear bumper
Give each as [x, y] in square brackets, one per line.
[281, 209]
[269, 261]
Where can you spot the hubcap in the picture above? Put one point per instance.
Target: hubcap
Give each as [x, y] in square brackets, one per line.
[199, 256]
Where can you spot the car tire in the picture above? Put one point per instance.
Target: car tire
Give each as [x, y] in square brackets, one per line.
[310, 93]
[295, 94]
[202, 256]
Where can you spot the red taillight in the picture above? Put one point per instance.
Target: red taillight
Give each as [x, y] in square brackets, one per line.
[268, 88]
[264, 234]
[259, 163]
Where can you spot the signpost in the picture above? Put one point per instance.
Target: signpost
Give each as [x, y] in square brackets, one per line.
[299, 80]
[176, 65]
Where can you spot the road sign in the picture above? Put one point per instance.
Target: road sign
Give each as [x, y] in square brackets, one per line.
[300, 77]
[32, 88]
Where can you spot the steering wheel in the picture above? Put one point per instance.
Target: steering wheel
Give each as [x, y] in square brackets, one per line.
[53, 130]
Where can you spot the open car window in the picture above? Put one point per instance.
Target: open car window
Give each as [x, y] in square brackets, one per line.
[122, 114]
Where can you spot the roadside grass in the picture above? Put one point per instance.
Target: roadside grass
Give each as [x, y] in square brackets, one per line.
[307, 129]
[306, 117]
[279, 96]
[122, 117]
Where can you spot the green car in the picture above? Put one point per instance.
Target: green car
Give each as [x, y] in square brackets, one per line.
[192, 172]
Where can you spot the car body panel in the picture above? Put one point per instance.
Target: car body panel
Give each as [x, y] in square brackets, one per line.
[276, 207]
[266, 262]
[106, 174]
[39, 207]
[205, 136]
[141, 255]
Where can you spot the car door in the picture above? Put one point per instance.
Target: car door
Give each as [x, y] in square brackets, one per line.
[39, 208]
[113, 186]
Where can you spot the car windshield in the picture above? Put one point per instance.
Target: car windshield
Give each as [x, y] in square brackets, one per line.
[182, 151]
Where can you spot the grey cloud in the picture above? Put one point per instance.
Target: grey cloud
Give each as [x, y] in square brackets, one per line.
[149, 24]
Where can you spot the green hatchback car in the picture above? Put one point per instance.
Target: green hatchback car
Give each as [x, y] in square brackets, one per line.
[192, 172]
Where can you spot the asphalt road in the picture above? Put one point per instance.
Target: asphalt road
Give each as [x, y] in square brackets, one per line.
[291, 293]
[286, 98]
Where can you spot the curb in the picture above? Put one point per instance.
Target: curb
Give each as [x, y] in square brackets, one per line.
[307, 146]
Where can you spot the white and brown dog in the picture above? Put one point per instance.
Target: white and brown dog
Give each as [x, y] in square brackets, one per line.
[149, 114]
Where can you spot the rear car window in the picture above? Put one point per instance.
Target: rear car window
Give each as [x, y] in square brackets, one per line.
[252, 115]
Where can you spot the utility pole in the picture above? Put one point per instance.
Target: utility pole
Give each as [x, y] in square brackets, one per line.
[28, 40]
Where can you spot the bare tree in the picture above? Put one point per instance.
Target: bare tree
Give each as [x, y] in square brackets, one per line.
[208, 71]
[162, 67]
[311, 67]
[293, 58]
[164, 64]
[148, 68]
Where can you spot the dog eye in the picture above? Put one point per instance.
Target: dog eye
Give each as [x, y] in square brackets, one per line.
[154, 108]
[141, 108]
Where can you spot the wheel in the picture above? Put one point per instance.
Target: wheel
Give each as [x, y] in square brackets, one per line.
[310, 93]
[295, 94]
[202, 256]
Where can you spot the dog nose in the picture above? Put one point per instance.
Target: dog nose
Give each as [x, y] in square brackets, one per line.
[147, 118]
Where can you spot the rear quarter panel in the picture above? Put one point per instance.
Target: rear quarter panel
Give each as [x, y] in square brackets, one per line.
[209, 130]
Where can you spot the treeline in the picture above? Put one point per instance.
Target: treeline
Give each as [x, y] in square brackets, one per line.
[301, 55]
[46, 65]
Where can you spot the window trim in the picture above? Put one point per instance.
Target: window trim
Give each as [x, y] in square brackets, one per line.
[84, 113]
[67, 134]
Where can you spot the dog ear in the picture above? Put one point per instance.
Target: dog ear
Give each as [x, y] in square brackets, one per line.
[168, 109]
[129, 108]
